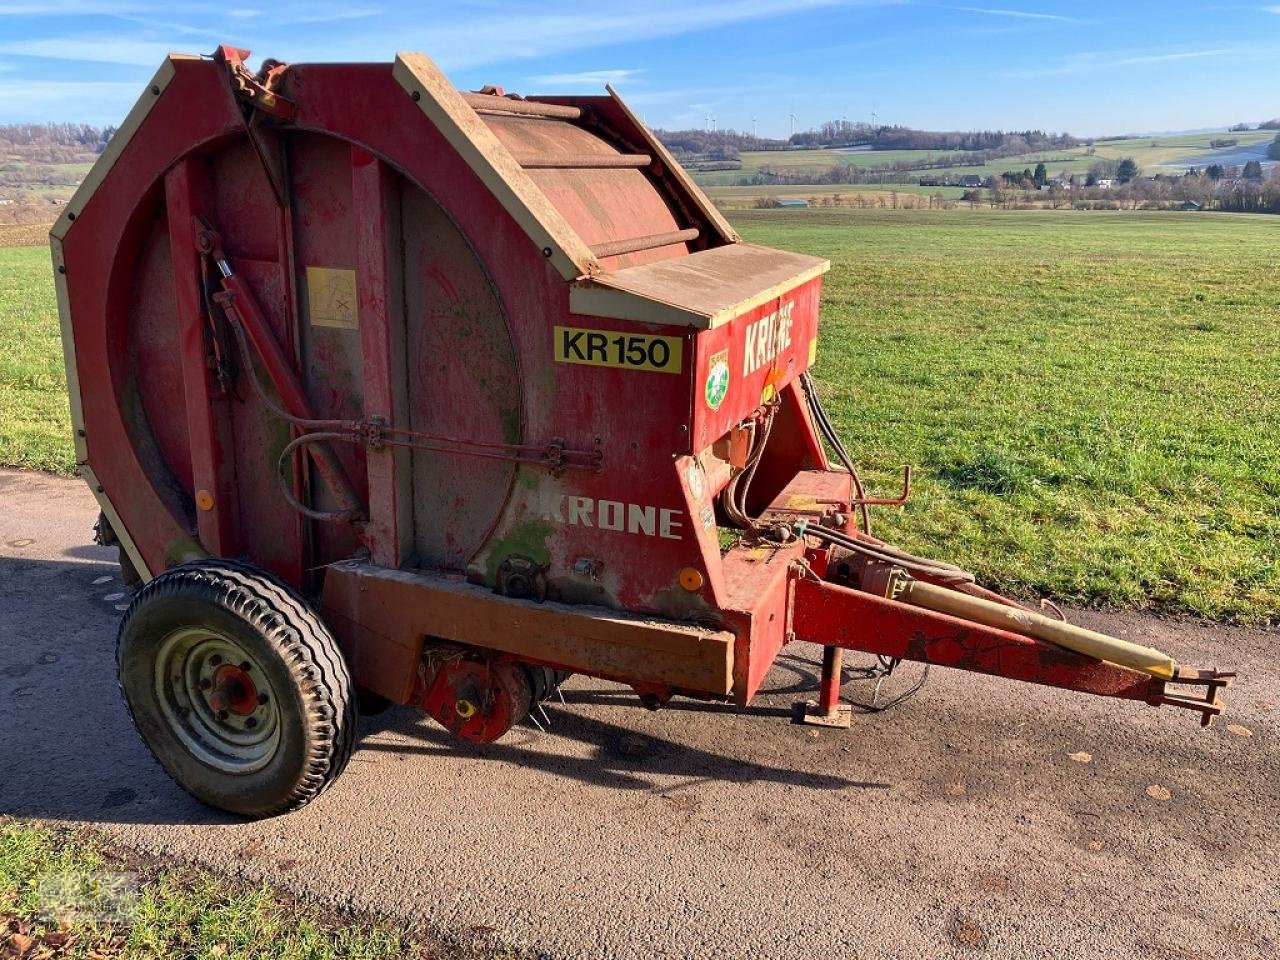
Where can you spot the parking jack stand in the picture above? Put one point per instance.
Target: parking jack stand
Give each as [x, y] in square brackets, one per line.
[827, 711]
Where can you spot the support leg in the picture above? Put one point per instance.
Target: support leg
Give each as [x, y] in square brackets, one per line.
[828, 711]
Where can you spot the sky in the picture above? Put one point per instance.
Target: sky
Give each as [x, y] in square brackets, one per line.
[1086, 68]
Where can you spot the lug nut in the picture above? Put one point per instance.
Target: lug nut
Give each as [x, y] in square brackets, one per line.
[262, 698]
[246, 666]
[215, 659]
[251, 722]
[222, 714]
[205, 683]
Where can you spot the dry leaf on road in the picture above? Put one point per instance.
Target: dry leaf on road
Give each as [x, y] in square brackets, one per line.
[1157, 792]
[1081, 757]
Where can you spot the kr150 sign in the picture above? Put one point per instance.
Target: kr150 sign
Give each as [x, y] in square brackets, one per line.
[607, 348]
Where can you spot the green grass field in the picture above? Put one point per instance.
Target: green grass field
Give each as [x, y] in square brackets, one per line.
[1089, 398]
[35, 420]
[1154, 155]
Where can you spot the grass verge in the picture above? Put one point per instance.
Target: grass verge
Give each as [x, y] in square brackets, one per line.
[66, 894]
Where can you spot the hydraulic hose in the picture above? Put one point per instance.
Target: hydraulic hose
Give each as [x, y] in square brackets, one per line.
[828, 431]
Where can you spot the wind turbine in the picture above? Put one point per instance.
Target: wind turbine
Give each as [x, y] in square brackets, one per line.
[792, 116]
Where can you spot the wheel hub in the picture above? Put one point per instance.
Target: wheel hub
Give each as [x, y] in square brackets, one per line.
[217, 700]
[233, 690]
[476, 699]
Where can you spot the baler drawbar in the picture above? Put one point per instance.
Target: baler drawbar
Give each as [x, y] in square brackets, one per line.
[392, 393]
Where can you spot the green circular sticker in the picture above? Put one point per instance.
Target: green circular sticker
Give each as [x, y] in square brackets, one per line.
[717, 380]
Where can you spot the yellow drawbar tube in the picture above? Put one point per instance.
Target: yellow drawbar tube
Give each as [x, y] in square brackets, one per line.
[1016, 620]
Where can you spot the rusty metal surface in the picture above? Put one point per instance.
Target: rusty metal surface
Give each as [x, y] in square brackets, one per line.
[833, 615]
[395, 610]
[464, 379]
[616, 248]
[714, 284]
[495, 103]
[584, 161]
[605, 202]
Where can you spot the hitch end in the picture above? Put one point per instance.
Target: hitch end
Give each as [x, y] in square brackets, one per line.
[1211, 704]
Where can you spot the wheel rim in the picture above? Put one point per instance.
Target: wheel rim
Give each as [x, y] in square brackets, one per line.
[217, 700]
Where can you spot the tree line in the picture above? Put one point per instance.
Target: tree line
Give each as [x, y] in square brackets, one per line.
[991, 142]
[56, 134]
[727, 144]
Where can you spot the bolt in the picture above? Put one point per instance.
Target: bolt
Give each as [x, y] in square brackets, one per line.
[250, 723]
[546, 251]
[62, 268]
[263, 698]
[216, 659]
[71, 216]
[417, 95]
[205, 683]
[222, 714]
[155, 90]
[246, 666]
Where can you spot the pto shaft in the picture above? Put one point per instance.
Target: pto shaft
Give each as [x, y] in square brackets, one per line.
[1097, 645]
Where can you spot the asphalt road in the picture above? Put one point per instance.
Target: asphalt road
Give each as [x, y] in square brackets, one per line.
[956, 825]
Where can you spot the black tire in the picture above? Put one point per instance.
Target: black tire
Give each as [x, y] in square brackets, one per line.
[286, 647]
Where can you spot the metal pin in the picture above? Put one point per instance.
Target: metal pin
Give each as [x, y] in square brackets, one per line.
[544, 715]
[536, 723]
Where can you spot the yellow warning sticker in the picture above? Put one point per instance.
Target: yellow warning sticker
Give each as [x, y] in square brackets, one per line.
[331, 298]
[608, 348]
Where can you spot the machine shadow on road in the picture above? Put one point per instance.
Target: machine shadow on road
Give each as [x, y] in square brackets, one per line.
[67, 748]
[617, 757]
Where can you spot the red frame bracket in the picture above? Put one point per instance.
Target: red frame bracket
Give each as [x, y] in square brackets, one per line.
[836, 616]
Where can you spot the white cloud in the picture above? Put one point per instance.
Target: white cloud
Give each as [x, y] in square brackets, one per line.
[123, 50]
[548, 30]
[1017, 14]
[1089, 62]
[459, 37]
[584, 78]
